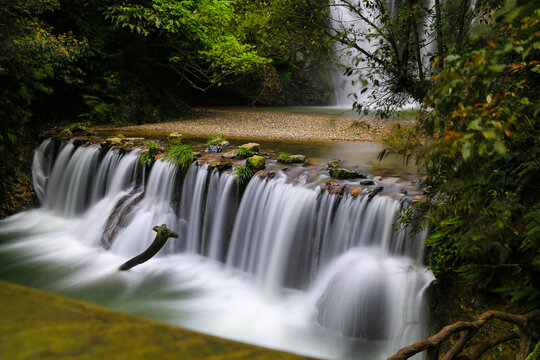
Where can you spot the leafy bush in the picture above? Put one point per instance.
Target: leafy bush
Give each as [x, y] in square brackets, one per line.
[148, 157]
[478, 141]
[181, 155]
[244, 174]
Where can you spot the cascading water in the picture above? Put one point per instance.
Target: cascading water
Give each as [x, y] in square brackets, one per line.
[280, 265]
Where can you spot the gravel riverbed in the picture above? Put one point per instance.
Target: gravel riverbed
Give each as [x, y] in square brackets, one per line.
[265, 124]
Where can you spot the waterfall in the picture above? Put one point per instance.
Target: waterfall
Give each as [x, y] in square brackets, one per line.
[325, 272]
[359, 20]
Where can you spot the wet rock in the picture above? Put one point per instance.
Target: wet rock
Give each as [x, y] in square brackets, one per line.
[126, 147]
[334, 187]
[229, 155]
[256, 162]
[81, 141]
[220, 165]
[120, 136]
[64, 133]
[174, 139]
[338, 172]
[215, 148]
[367, 182]
[371, 193]
[251, 147]
[342, 173]
[355, 191]
[266, 174]
[197, 154]
[291, 159]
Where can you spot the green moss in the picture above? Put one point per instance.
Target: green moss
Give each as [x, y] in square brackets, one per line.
[181, 155]
[40, 325]
[252, 147]
[244, 174]
[286, 158]
[256, 162]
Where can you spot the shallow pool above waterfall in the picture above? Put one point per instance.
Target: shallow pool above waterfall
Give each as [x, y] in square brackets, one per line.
[281, 264]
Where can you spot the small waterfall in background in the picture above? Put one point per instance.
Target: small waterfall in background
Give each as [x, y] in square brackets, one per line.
[282, 265]
[358, 20]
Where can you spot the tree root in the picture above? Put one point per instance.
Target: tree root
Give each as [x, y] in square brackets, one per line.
[470, 328]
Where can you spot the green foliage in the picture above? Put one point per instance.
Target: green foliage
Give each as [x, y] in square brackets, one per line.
[244, 174]
[478, 140]
[215, 140]
[148, 157]
[181, 155]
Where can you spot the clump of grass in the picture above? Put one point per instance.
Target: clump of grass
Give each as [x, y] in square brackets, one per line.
[244, 173]
[148, 157]
[215, 140]
[244, 153]
[284, 157]
[181, 155]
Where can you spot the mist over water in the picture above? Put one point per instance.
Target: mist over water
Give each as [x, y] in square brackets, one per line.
[281, 265]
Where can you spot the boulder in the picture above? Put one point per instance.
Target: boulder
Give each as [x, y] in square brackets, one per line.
[256, 162]
[174, 139]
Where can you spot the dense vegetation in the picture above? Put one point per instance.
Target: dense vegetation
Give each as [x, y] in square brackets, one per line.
[477, 139]
[117, 61]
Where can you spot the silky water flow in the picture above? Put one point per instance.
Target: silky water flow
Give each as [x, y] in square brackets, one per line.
[285, 266]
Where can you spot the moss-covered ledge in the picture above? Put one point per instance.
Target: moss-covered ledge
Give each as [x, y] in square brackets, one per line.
[39, 325]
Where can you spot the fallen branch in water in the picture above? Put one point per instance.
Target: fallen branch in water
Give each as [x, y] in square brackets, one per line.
[433, 344]
[163, 233]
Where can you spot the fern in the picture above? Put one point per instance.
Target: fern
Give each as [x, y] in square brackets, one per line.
[181, 155]
[244, 174]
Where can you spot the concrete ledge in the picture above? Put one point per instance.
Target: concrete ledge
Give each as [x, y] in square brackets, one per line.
[35, 324]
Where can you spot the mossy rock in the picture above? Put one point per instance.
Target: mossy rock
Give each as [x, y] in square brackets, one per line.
[127, 146]
[291, 159]
[342, 173]
[229, 155]
[256, 162]
[251, 147]
[220, 165]
[175, 139]
[65, 133]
